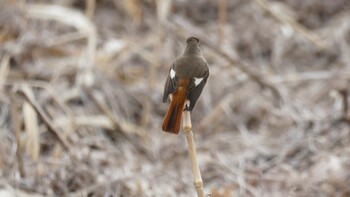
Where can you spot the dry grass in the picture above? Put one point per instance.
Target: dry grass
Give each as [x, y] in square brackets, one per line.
[81, 85]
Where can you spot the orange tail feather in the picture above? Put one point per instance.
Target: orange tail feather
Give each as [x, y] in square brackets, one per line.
[172, 119]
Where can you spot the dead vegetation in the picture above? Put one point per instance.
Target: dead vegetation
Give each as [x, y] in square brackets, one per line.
[81, 85]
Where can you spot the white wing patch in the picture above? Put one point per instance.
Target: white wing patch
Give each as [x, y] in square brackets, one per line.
[197, 81]
[172, 73]
[187, 103]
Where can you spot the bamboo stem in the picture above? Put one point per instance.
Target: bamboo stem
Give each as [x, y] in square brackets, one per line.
[187, 125]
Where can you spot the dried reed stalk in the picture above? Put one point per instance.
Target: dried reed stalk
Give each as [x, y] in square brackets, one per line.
[62, 139]
[187, 126]
[90, 8]
[4, 69]
[32, 126]
[163, 10]
[16, 126]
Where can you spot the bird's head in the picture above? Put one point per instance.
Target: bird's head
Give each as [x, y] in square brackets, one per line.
[193, 40]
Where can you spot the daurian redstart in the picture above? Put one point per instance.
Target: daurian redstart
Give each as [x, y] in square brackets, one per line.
[186, 80]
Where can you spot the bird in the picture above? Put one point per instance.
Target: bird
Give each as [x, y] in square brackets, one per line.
[186, 79]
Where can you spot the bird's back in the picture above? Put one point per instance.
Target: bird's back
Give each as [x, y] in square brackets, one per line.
[190, 66]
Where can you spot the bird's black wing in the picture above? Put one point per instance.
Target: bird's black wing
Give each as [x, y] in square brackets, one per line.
[170, 84]
[196, 90]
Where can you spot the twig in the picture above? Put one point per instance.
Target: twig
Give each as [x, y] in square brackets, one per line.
[245, 68]
[344, 93]
[46, 119]
[40, 84]
[187, 126]
[104, 108]
[124, 128]
[118, 125]
[310, 36]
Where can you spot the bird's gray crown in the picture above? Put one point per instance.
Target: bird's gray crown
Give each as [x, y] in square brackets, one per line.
[192, 39]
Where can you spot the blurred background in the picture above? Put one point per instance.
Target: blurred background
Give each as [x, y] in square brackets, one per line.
[81, 97]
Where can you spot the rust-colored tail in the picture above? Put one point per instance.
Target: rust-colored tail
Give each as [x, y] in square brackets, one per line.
[172, 119]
